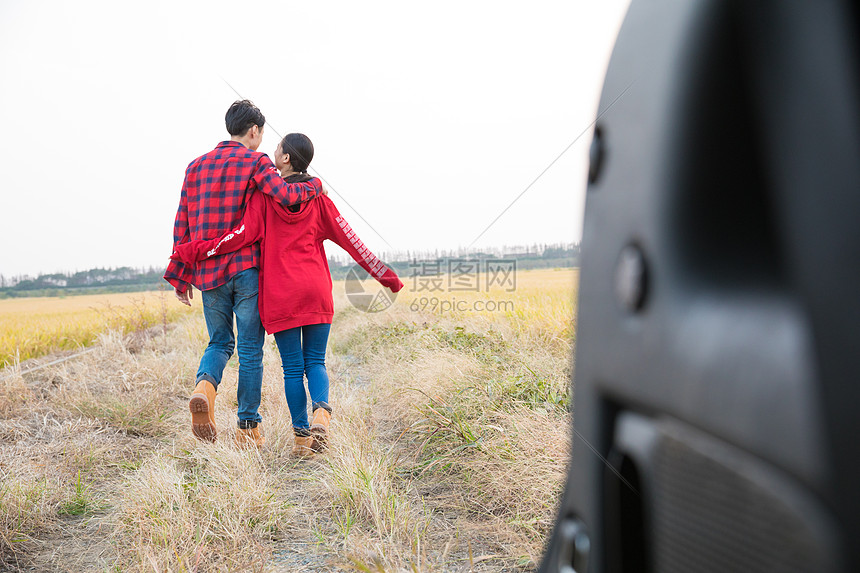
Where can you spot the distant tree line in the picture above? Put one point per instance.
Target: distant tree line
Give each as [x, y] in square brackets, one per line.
[130, 279]
[536, 256]
[100, 280]
[564, 252]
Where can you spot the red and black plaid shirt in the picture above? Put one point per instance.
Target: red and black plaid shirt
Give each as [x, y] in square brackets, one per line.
[216, 188]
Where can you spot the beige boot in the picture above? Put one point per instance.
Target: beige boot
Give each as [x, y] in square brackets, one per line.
[319, 426]
[250, 437]
[202, 406]
[302, 448]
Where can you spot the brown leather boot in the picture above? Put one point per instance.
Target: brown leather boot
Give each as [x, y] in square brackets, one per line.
[250, 437]
[319, 426]
[202, 406]
[302, 448]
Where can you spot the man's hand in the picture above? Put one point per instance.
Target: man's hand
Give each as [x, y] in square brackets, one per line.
[323, 190]
[184, 296]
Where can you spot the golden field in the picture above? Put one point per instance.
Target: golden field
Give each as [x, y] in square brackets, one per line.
[32, 327]
[450, 441]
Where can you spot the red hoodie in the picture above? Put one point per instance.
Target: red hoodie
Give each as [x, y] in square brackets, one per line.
[295, 281]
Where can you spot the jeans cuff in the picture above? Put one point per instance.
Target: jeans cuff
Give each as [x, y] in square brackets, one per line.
[323, 405]
[208, 378]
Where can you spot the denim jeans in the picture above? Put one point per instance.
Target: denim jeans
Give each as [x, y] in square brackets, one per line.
[237, 296]
[302, 352]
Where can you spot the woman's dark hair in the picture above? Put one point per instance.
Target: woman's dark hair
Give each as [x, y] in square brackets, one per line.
[241, 116]
[301, 150]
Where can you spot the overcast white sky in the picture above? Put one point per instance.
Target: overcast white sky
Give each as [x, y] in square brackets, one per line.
[428, 118]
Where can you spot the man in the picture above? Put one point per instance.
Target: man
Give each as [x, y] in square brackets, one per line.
[216, 189]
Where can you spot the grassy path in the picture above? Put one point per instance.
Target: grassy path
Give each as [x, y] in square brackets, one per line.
[450, 440]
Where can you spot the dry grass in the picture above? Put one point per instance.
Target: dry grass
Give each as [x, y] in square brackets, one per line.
[33, 327]
[450, 443]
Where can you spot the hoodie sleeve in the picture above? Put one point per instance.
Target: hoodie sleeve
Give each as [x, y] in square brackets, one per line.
[338, 230]
[178, 274]
[249, 232]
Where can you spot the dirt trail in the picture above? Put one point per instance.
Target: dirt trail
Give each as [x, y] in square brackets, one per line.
[99, 472]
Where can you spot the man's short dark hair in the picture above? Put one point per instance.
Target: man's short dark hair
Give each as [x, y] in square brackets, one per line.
[242, 115]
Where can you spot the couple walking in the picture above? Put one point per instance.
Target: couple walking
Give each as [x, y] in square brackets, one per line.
[249, 235]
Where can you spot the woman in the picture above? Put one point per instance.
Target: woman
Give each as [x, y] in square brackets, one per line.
[295, 299]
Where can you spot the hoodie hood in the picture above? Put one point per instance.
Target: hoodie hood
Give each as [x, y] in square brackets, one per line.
[284, 213]
[288, 216]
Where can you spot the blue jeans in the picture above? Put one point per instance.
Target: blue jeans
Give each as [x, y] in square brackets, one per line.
[237, 296]
[303, 353]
